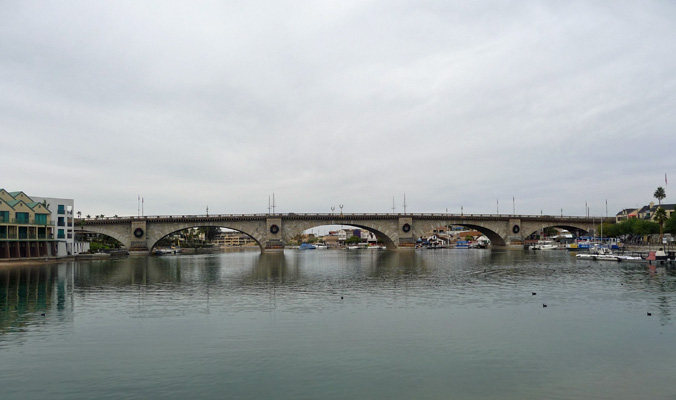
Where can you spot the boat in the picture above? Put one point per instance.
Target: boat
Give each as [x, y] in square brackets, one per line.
[462, 244]
[602, 253]
[307, 246]
[321, 246]
[483, 242]
[162, 251]
[544, 245]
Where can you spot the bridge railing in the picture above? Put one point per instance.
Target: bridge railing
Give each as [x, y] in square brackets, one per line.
[345, 216]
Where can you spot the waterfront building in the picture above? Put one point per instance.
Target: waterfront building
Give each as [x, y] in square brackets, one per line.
[648, 212]
[233, 239]
[626, 214]
[645, 212]
[33, 226]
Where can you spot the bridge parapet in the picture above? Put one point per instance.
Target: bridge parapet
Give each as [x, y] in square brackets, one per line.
[339, 217]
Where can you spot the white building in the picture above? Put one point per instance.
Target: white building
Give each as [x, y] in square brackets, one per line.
[63, 222]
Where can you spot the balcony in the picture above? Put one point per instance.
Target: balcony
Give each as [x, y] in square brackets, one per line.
[22, 221]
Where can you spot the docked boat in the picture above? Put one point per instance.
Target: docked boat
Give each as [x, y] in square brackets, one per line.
[599, 253]
[544, 245]
[307, 246]
[483, 242]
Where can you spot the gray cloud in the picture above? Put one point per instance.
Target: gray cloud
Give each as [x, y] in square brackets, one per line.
[455, 104]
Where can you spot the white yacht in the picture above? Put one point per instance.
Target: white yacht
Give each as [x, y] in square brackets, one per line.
[545, 245]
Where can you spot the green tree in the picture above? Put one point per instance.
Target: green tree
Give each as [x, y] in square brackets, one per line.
[550, 231]
[612, 230]
[660, 217]
[210, 232]
[297, 239]
[660, 194]
[644, 227]
[670, 224]
[353, 240]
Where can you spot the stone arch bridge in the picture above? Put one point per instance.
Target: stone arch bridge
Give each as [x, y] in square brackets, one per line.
[273, 231]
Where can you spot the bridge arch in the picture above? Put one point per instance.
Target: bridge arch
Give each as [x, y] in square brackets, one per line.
[421, 228]
[298, 227]
[576, 230]
[118, 233]
[161, 231]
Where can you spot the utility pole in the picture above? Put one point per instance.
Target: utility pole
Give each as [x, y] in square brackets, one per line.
[393, 206]
[404, 203]
[273, 203]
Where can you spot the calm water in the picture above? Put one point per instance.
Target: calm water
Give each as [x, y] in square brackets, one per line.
[440, 324]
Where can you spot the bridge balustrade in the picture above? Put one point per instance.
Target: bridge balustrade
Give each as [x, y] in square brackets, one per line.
[344, 215]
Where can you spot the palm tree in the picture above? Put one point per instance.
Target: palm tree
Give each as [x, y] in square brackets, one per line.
[660, 194]
[660, 217]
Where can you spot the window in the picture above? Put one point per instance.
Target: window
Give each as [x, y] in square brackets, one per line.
[61, 234]
[41, 219]
[62, 221]
[61, 209]
[4, 216]
[21, 218]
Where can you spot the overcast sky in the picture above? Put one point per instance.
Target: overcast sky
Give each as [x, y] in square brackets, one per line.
[555, 104]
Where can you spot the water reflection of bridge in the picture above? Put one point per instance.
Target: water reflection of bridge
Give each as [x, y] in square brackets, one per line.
[272, 232]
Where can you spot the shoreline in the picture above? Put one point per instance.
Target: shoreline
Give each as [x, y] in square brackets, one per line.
[34, 261]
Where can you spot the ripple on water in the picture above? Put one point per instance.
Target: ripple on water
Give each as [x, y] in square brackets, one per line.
[333, 324]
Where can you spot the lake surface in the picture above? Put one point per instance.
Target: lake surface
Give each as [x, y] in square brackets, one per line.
[331, 324]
